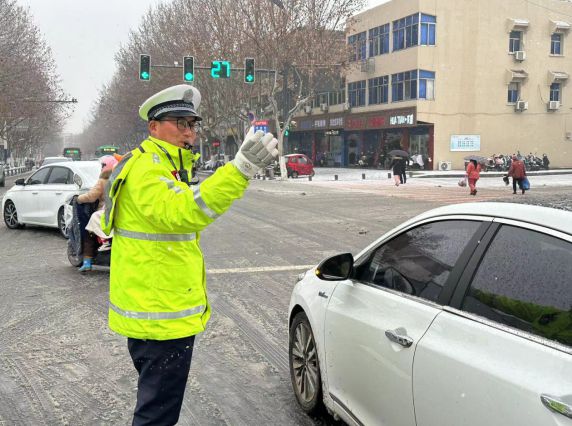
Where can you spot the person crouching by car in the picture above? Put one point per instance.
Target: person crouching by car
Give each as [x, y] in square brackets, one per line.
[518, 172]
[96, 193]
[473, 175]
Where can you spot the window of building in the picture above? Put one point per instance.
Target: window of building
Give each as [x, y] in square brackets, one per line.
[406, 32]
[378, 90]
[419, 261]
[523, 281]
[404, 86]
[356, 93]
[513, 92]
[556, 44]
[426, 85]
[515, 41]
[379, 40]
[357, 44]
[555, 92]
[428, 29]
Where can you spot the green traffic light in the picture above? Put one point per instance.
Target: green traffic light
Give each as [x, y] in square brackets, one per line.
[249, 77]
[189, 76]
[145, 75]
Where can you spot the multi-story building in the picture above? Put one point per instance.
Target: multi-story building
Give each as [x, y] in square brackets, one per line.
[446, 79]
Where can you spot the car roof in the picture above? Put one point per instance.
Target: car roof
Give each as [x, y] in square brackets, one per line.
[560, 220]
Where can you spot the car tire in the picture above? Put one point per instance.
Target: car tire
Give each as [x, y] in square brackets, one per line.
[62, 224]
[3, 183]
[305, 366]
[294, 174]
[11, 216]
[313, 173]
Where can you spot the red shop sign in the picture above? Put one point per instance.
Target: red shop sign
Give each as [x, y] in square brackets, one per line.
[375, 122]
[355, 123]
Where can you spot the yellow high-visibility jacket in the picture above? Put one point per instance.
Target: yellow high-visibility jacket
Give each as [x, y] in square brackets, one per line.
[157, 280]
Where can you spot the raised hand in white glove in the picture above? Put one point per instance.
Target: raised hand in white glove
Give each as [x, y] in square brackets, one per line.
[256, 152]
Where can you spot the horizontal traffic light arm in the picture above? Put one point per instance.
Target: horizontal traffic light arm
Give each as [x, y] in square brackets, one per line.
[197, 67]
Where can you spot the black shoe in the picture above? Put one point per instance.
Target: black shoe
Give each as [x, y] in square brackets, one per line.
[514, 192]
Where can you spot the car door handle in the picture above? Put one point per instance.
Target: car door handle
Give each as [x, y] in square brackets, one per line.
[554, 404]
[398, 336]
[35, 192]
[58, 193]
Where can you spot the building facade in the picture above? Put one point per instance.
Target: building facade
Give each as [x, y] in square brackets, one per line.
[443, 80]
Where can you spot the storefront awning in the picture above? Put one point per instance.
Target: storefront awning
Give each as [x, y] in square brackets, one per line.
[560, 26]
[557, 76]
[517, 24]
[516, 75]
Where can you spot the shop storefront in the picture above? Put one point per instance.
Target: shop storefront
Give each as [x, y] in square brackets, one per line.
[370, 137]
[320, 138]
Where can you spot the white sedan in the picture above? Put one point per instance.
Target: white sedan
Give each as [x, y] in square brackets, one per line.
[460, 316]
[40, 199]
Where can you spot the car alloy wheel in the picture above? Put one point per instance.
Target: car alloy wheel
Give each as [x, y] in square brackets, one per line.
[11, 216]
[304, 365]
[62, 224]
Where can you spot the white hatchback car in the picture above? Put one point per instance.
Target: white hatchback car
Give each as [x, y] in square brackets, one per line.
[460, 316]
[40, 199]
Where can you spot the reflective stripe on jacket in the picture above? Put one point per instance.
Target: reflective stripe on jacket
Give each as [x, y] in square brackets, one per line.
[157, 279]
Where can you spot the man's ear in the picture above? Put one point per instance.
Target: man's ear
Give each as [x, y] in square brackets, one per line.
[152, 127]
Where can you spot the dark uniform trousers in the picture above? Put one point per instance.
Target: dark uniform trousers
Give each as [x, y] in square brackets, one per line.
[163, 367]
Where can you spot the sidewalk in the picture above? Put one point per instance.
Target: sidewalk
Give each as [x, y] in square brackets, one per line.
[429, 178]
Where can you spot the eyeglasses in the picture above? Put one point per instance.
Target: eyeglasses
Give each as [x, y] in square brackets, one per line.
[183, 124]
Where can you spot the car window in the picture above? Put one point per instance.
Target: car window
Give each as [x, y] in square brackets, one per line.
[524, 281]
[418, 262]
[302, 160]
[60, 175]
[292, 160]
[38, 177]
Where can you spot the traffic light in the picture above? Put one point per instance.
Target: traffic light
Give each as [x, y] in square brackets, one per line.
[249, 74]
[220, 69]
[189, 68]
[145, 67]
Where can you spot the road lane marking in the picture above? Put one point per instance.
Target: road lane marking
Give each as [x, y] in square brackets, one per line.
[258, 269]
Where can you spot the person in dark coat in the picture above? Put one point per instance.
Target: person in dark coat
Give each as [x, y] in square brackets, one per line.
[403, 175]
[398, 167]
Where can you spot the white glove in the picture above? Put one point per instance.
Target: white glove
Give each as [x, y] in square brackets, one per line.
[256, 152]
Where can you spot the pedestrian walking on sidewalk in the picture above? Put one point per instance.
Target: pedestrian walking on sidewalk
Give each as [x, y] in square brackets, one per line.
[473, 175]
[518, 172]
[157, 296]
[398, 167]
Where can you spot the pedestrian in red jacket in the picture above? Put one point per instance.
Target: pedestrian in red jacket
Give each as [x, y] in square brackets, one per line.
[518, 172]
[473, 175]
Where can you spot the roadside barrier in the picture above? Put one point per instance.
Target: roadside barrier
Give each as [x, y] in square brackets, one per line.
[12, 171]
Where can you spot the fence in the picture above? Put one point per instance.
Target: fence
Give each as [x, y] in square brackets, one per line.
[12, 171]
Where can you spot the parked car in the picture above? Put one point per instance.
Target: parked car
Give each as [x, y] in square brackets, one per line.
[299, 165]
[40, 199]
[3, 174]
[51, 160]
[460, 316]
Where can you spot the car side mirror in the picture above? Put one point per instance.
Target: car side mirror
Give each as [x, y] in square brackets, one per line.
[77, 180]
[20, 182]
[336, 268]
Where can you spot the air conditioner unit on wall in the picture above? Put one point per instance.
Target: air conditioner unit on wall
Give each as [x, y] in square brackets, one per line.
[308, 109]
[521, 106]
[520, 55]
[553, 105]
[324, 107]
[445, 165]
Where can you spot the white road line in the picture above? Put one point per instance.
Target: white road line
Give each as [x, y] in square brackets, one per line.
[258, 269]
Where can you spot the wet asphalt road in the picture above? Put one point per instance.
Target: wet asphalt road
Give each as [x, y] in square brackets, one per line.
[59, 363]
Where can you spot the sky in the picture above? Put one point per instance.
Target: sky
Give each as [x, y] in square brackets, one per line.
[84, 36]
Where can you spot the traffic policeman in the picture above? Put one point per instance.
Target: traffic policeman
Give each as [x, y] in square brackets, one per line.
[158, 296]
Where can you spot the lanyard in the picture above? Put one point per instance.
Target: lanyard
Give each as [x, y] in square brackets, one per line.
[181, 174]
